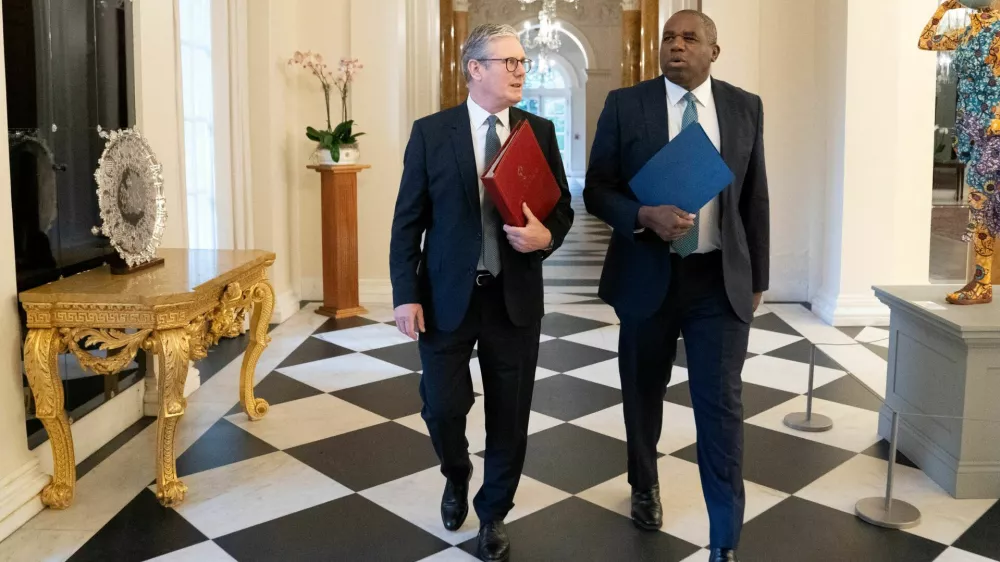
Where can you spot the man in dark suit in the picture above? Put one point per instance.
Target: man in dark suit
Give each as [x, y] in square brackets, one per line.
[475, 280]
[671, 272]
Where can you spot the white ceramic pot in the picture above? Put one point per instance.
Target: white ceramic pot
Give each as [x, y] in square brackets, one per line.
[349, 154]
[323, 157]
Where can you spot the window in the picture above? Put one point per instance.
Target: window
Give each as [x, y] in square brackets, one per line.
[548, 94]
[199, 122]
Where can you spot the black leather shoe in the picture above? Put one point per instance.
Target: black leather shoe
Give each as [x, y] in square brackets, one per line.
[723, 555]
[647, 512]
[494, 546]
[455, 503]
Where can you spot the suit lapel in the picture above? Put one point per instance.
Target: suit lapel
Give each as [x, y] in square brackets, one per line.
[654, 111]
[465, 154]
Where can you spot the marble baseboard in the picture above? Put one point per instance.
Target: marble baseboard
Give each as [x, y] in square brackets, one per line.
[20, 497]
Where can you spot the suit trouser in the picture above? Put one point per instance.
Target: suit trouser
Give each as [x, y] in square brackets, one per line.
[508, 355]
[716, 344]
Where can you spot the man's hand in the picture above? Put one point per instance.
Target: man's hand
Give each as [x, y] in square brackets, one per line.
[667, 221]
[531, 238]
[409, 319]
[757, 298]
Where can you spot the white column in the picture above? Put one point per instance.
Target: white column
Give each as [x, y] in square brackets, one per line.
[880, 117]
[21, 479]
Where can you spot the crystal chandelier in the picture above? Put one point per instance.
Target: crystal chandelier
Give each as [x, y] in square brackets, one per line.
[546, 38]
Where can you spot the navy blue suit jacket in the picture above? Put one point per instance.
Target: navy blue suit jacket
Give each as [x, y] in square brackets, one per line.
[632, 128]
[439, 201]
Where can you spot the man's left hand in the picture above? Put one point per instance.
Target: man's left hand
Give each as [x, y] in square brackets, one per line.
[531, 238]
[757, 297]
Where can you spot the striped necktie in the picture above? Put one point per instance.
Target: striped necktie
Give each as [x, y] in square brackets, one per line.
[687, 244]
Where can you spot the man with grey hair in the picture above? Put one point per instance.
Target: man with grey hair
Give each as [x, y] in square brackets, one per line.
[474, 280]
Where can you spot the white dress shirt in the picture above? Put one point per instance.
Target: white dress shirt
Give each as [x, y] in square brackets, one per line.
[709, 230]
[479, 121]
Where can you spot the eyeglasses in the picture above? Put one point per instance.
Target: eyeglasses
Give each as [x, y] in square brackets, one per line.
[512, 63]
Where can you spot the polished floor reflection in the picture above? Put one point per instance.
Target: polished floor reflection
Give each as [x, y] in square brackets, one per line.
[342, 468]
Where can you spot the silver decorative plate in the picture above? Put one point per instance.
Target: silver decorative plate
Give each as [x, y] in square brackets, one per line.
[130, 196]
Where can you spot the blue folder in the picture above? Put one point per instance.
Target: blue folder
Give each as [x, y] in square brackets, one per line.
[687, 173]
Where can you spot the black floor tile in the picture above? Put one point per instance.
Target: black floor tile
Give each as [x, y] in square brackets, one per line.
[405, 355]
[107, 450]
[577, 530]
[803, 531]
[782, 462]
[277, 388]
[880, 450]
[772, 323]
[756, 399]
[369, 457]
[561, 325]
[313, 349]
[847, 390]
[852, 331]
[224, 443]
[336, 324]
[574, 459]
[879, 350]
[982, 537]
[564, 356]
[568, 398]
[349, 529]
[143, 529]
[393, 398]
[800, 350]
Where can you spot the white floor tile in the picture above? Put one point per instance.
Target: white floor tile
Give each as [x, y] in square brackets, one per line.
[366, 338]
[957, 555]
[379, 312]
[475, 424]
[699, 556]
[307, 420]
[877, 336]
[240, 495]
[450, 555]
[684, 513]
[854, 429]
[42, 545]
[563, 298]
[790, 376]
[204, 552]
[417, 498]
[603, 338]
[573, 271]
[944, 519]
[584, 246]
[601, 313]
[605, 372]
[346, 371]
[763, 341]
[678, 430]
[580, 290]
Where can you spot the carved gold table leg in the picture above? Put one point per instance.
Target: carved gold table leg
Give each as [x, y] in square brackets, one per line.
[261, 296]
[172, 348]
[41, 356]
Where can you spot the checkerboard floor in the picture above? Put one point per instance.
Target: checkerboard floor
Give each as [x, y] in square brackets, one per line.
[342, 468]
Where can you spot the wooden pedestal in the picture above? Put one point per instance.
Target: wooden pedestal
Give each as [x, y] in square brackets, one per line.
[341, 296]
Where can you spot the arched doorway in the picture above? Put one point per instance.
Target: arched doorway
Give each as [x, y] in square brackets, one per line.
[548, 93]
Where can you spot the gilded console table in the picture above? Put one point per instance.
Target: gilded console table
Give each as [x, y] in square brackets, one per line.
[176, 311]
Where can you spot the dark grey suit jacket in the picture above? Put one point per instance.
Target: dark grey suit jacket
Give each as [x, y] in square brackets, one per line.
[631, 129]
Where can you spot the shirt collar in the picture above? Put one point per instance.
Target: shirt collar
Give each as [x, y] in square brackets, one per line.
[702, 93]
[478, 115]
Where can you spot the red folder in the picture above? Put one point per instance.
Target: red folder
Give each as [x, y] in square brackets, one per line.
[520, 174]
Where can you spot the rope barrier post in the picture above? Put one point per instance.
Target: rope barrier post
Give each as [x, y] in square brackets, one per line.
[888, 512]
[809, 421]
